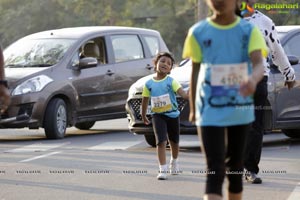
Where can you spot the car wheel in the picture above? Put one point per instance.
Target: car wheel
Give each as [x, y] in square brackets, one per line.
[55, 122]
[84, 125]
[292, 133]
[150, 139]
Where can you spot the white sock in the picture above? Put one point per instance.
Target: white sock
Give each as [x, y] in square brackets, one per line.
[173, 160]
[163, 168]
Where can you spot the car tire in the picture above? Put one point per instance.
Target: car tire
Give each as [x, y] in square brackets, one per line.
[55, 122]
[85, 125]
[150, 139]
[292, 133]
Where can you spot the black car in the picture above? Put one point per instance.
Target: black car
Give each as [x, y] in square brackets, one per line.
[282, 108]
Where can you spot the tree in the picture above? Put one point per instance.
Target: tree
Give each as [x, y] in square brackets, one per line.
[172, 18]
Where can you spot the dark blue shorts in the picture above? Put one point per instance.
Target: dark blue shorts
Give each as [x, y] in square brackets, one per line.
[165, 128]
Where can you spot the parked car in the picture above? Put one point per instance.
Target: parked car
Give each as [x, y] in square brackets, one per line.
[282, 109]
[75, 76]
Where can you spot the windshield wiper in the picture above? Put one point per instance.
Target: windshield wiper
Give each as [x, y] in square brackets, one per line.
[39, 65]
[14, 66]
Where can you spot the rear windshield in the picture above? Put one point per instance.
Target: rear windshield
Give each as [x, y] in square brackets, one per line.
[36, 52]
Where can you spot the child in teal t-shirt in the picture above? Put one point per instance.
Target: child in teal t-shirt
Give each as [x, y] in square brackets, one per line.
[162, 89]
[227, 54]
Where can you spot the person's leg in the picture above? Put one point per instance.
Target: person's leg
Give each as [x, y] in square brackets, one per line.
[212, 197]
[173, 129]
[255, 138]
[174, 150]
[213, 145]
[160, 132]
[173, 126]
[161, 152]
[234, 196]
[236, 139]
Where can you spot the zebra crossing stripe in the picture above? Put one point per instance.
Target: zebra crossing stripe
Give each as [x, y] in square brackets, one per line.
[39, 157]
[114, 145]
[36, 148]
[295, 194]
[195, 143]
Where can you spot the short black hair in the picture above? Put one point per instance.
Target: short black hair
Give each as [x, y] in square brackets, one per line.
[161, 54]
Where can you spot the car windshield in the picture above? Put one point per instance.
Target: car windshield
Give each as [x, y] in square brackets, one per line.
[36, 52]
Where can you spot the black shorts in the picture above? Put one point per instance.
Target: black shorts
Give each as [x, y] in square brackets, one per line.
[165, 127]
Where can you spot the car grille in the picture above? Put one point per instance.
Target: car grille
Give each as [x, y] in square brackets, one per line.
[135, 105]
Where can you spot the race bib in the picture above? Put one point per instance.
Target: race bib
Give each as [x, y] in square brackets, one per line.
[229, 74]
[226, 78]
[161, 104]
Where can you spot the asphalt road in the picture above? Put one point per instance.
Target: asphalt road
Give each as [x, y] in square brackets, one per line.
[108, 162]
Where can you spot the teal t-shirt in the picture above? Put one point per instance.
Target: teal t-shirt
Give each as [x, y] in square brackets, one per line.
[223, 52]
[162, 94]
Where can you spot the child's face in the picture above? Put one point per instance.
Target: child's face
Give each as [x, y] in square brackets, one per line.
[164, 65]
[222, 6]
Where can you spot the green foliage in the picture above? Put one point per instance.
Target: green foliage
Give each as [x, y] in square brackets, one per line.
[172, 18]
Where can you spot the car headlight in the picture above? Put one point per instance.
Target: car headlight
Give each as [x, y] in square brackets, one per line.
[34, 84]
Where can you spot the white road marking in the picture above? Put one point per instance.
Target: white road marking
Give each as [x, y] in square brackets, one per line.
[114, 145]
[35, 148]
[189, 143]
[123, 145]
[295, 194]
[41, 156]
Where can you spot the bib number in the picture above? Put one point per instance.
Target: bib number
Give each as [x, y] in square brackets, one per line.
[227, 78]
[229, 74]
[161, 104]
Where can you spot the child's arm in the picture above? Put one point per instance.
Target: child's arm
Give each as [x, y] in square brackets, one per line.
[248, 87]
[192, 92]
[145, 102]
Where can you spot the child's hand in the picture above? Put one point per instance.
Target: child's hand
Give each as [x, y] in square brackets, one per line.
[248, 87]
[289, 84]
[192, 117]
[145, 120]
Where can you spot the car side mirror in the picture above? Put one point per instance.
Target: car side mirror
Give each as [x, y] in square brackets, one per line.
[87, 62]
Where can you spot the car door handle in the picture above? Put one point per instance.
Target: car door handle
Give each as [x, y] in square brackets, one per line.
[149, 67]
[109, 73]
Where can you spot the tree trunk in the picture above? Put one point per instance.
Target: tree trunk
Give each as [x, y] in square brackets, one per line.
[202, 10]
